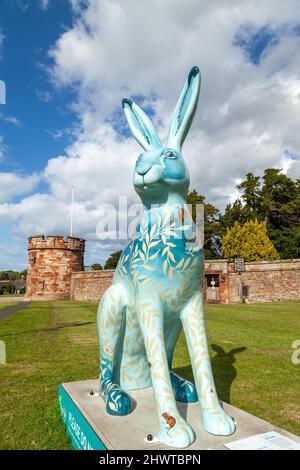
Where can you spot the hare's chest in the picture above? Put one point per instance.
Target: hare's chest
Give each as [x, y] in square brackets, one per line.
[162, 268]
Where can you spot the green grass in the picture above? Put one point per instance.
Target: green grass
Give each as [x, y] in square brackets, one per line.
[11, 295]
[54, 342]
[4, 305]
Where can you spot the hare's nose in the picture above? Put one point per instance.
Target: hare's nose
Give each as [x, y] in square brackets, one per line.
[143, 168]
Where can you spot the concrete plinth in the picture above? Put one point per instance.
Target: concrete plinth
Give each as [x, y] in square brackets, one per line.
[90, 427]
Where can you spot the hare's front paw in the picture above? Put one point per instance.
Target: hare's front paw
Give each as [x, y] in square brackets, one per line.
[180, 435]
[218, 422]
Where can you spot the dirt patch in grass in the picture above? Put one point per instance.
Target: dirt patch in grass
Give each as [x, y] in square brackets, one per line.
[271, 353]
[291, 412]
[58, 326]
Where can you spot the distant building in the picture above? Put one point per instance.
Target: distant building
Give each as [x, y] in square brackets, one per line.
[18, 285]
[51, 262]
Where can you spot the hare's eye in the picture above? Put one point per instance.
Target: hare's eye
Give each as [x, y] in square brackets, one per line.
[169, 155]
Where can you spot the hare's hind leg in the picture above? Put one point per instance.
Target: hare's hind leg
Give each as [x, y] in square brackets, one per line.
[183, 390]
[213, 417]
[110, 318]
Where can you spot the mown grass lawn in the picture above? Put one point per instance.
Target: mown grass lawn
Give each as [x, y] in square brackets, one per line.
[5, 305]
[54, 342]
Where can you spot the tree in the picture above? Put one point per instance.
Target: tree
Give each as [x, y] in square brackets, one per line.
[9, 275]
[281, 211]
[287, 242]
[249, 241]
[112, 261]
[233, 213]
[23, 274]
[9, 289]
[280, 199]
[251, 194]
[212, 229]
[96, 267]
[275, 199]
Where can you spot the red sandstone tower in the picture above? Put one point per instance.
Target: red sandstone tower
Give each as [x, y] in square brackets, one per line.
[51, 262]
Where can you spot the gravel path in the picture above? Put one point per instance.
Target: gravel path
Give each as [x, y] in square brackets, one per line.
[8, 298]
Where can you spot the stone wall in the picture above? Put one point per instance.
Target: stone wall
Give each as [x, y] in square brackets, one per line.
[265, 281]
[51, 261]
[90, 285]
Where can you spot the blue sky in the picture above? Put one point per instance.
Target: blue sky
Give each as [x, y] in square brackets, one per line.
[67, 64]
[29, 32]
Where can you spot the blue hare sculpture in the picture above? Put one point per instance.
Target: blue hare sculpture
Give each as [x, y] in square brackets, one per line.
[158, 288]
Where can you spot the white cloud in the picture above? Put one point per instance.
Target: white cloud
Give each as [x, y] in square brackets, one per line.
[44, 4]
[44, 95]
[2, 148]
[248, 115]
[12, 185]
[11, 120]
[2, 38]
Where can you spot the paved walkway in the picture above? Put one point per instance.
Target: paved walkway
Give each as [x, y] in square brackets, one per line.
[8, 298]
[7, 311]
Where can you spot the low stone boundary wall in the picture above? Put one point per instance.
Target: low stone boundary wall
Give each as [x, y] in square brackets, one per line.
[265, 281]
[90, 285]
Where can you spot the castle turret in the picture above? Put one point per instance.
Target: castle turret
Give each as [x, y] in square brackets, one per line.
[51, 262]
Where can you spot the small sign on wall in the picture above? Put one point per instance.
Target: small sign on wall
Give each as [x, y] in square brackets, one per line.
[239, 264]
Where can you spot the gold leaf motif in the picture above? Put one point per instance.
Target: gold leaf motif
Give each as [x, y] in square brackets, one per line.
[152, 231]
[165, 250]
[152, 244]
[165, 264]
[153, 256]
[149, 268]
[187, 262]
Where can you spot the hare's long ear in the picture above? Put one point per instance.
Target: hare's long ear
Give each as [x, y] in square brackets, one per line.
[185, 110]
[141, 126]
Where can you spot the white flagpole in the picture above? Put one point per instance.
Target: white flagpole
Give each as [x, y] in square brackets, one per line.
[72, 212]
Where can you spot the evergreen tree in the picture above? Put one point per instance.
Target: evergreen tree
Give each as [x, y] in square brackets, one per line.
[249, 241]
[96, 267]
[281, 211]
[280, 199]
[251, 194]
[212, 227]
[233, 213]
[112, 261]
[276, 200]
